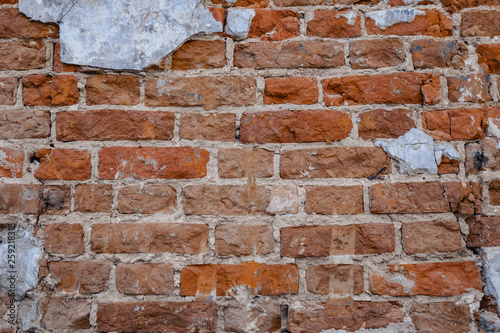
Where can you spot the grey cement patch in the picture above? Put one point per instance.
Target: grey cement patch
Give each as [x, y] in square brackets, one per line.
[238, 22]
[122, 34]
[386, 18]
[491, 259]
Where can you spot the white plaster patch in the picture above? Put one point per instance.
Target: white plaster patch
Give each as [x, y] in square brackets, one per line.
[238, 22]
[351, 17]
[122, 34]
[495, 131]
[386, 18]
[491, 259]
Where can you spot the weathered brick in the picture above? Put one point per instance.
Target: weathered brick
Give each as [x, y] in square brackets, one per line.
[24, 124]
[200, 54]
[335, 24]
[306, 54]
[328, 240]
[484, 231]
[93, 198]
[431, 23]
[245, 162]
[68, 313]
[335, 162]
[294, 126]
[482, 156]
[113, 89]
[429, 53]
[465, 198]
[208, 92]
[11, 163]
[145, 279]
[488, 57]
[274, 25]
[14, 24]
[469, 88]
[149, 237]
[400, 88]
[59, 66]
[432, 279]
[96, 125]
[33, 199]
[376, 53]
[68, 164]
[480, 23]
[147, 199]
[242, 240]
[8, 90]
[240, 200]
[208, 126]
[55, 200]
[152, 163]
[457, 5]
[243, 3]
[431, 236]
[261, 279]
[262, 317]
[291, 90]
[44, 90]
[448, 165]
[334, 200]
[494, 192]
[22, 55]
[294, 3]
[455, 124]
[334, 279]
[85, 277]
[343, 314]
[182, 317]
[441, 317]
[64, 238]
[385, 123]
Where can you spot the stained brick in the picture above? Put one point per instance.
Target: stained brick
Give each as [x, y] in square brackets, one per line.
[429, 53]
[469, 88]
[274, 25]
[335, 279]
[68, 164]
[335, 24]
[85, 277]
[336, 200]
[64, 238]
[454, 124]
[376, 53]
[113, 89]
[11, 163]
[24, 124]
[431, 236]
[385, 123]
[484, 231]
[8, 90]
[208, 126]
[291, 90]
[145, 279]
[200, 54]
[243, 240]
[245, 162]
[147, 199]
[93, 198]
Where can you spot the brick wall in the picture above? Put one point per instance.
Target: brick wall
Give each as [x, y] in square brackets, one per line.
[236, 187]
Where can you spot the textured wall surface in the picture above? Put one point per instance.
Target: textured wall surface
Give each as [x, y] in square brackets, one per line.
[237, 186]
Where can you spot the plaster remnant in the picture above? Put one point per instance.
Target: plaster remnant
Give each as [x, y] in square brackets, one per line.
[351, 17]
[491, 259]
[28, 255]
[416, 152]
[386, 18]
[238, 22]
[494, 130]
[122, 34]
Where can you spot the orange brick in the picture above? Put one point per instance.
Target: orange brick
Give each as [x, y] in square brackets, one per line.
[14, 24]
[455, 124]
[385, 123]
[147, 199]
[11, 163]
[65, 164]
[43, 90]
[241, 240]
[334, 200]
[335, 279]
[145, 279]
[334, 24]
[85, 277]
[208, 126]
[93, 198]
[292, 90]
[113, 89]
[431, 236]
[200, 54]
[274, 25]
[64, 238]
[245, 162]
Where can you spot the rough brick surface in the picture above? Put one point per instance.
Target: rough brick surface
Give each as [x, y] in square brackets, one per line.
[113, 89]
[22, 55]
[199, 54]
[274, 25]
[24, 124]
[376, 53]
[243, 240]
[147, 199]
[336, 200]
[11, 163]
[469, 88]
[494, 192]
[431, 236]
[93, 198]
[67, 164]
[211, 126]
[43, 90]
[291, 90]
[64, 238]
[85, 277]
[483, 231]
[487, 57]
[335, 279]
[454, 124]
[334, 24]
[246, 162]
[429, 53]
[441, 316]
[8, 90]
[144, 279]
[385, 123]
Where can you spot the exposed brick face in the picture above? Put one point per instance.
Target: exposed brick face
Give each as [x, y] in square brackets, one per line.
[22, 55]
[385, 123]
[11, 163]
[243, 240]
[247, 162]
[86, 277]
[274, 25]
[376, 53]
[212, 126]
[200, 55]
[42, 90]
[113, 89]
[66, 164]
[431, 236]
[24, 124]
[293, 90]
[334, 24]
[64, 238]
[144, 279]
[336, 200]
[8, 90]
[147, 199]
[429, 53]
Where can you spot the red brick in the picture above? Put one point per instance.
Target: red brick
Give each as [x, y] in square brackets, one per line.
[11, 163]
[441, 317]
[480, 23]
[431, 279]
[97, 125]
[145, 279]
[85, 277]
[243, 240]
[14, 24]
[429, 53]
[274, 25]
[208, 126]
[488, 57]
[328, 240]
[291, 90]
[376, 53]
[457, 5]
[306, 54]
[200, 54]
[59, 66]
[93, 198]
[448, 166]
[149, 238]
[263, 317]
[261, 279]
[43, 90]
[147, 199]
[34, 199]
[7, 2]
[334, 24]
[55, 200]
[245, 162]
[182, 317]
[400, 88]
[469, 88]
[431, 236]
[494, 192]
[482, 156]
[8, 90]
[484, 231]
[68, 313]
[65, 164]
[64, 238]
[294, 3]
[343, 314]
[243, 3]
[208, 92]
[113, 89]
[152, 163]
[294, 126]
[432, 23]
[334, 200]
[335, 162]
[464, 198]
[24, 124]
[334, 279]
[455, 124]
[240, 200]
[381, 123]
